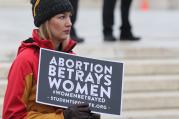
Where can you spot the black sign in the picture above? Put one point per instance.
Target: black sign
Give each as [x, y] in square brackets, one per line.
[65, 79]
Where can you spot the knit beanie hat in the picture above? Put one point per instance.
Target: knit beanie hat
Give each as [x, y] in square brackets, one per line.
[45, 9]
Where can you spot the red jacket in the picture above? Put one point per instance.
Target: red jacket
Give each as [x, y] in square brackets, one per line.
[19, 101]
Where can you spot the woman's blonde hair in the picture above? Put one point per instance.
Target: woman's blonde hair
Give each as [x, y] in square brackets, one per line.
[44, 31]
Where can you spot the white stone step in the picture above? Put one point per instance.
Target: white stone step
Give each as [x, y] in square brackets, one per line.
[159, 4]
[151, 100]
[132, 67]
[134, 84]
[112, 51]
[146, 83]
[1, 106]
[127, 51]
[147, 114]
[7, 55]
[3, 85]
[151, 67]
[4, 69]
[139, 114]
[136, 114]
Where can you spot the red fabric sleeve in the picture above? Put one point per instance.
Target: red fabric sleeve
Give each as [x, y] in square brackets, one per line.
[14, 107]
[17, 92]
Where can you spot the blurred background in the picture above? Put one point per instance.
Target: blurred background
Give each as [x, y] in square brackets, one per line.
[151, 80]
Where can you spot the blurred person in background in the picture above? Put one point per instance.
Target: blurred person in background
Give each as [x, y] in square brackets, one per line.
[53, 21]
[108, 21]
[73, 33]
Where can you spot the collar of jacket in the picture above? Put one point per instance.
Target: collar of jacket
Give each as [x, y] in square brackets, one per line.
[47, 44]
[41, 43]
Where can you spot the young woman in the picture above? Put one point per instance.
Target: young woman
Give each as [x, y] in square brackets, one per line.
[52, 17]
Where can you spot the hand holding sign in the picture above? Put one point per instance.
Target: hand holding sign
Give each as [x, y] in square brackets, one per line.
[80, 111]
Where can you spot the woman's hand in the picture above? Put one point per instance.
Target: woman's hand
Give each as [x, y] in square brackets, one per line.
[80, 111]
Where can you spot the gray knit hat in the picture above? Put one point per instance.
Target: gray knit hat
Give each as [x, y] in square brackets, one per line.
[45, 9]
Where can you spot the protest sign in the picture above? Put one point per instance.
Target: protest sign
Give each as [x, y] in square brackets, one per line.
[65, 79]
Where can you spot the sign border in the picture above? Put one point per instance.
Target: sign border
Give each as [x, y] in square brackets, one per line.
[122, 88]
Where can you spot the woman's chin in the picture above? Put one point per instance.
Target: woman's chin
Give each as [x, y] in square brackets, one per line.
[64, 38]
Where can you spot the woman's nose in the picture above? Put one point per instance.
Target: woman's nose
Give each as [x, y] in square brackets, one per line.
[68, 22]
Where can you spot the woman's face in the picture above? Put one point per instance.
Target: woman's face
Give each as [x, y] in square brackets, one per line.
[60, 26]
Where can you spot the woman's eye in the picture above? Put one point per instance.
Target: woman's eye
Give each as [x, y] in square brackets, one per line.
[61, 17]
